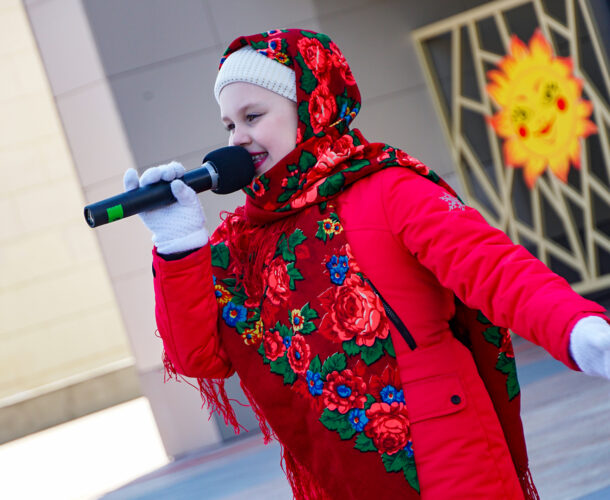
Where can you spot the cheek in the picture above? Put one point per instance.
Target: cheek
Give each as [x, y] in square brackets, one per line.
[284, 136]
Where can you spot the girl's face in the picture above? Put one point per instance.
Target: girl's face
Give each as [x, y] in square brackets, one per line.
[263, 122]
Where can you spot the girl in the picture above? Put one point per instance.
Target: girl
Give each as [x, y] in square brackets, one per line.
[355, 295]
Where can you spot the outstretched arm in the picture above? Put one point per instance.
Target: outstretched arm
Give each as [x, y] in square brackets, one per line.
[486, 270]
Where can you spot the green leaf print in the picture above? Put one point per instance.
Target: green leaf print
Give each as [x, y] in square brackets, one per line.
[410, 472]
[336, 362]
[371, 354]
[395, 462]
[364, 443]
[306, 161]
[331, 185]
[493, 335]
[220, 255]
[335, 421]
[508, 366]
[351, 348]
[316, 365]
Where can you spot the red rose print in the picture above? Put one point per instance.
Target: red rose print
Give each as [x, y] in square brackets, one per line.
[407, 160]
[344, 391]
[342, 149]
[299, 354]
[340, 62]
[507, 346]
[322, 108]
[384, 155]
[322, 146]
[274, 346]
[276, 276]
[388, 427]
[305, 198]
[315, 56]
[354, 311]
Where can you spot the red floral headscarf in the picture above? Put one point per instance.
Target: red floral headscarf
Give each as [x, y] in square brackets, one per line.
[327, 93]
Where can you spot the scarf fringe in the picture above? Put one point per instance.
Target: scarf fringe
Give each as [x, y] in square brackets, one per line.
[304, 485]
[213, 394]
[268, 434]
[527, 485]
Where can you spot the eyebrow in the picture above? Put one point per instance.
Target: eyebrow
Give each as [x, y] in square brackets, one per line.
[242, 108]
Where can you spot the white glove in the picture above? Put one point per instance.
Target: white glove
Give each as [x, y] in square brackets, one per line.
[590, 346]
[177, 227]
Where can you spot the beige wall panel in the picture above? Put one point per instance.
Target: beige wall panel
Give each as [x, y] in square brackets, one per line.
[100, 152]
[65, 44]
[11, 220]
[136, 300]
[35, 357]
[48, 254]
[23, 69]
[36, 161]
[49, 205]
[75, 291]
[27, 117]
[13, 36]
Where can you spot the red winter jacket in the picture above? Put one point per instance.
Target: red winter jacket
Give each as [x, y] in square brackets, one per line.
[418, 246]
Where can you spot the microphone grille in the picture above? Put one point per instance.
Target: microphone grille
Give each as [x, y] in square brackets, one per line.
[234, 166]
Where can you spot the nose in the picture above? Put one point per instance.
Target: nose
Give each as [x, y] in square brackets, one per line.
[239, 137]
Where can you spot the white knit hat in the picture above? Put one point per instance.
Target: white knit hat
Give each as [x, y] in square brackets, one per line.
[248, 65]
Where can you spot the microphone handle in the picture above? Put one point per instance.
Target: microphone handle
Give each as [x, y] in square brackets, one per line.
[148, 197]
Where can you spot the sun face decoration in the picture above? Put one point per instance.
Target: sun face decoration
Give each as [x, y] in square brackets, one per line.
[542, 116]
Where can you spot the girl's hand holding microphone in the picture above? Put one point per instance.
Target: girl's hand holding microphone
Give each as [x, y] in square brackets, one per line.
[178, 227]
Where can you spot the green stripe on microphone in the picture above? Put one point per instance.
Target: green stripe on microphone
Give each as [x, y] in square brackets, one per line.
[115, 213]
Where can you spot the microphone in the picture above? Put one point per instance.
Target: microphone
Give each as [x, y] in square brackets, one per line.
[224, 171]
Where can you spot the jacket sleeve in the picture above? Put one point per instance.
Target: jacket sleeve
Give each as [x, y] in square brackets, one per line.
[481, 265]
[187, 313]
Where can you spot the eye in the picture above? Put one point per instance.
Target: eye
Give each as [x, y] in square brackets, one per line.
[549, 92]
[520, 114]
[251, 117]
[229, 127]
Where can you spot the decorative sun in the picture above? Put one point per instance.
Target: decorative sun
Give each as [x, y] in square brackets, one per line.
[541, 116]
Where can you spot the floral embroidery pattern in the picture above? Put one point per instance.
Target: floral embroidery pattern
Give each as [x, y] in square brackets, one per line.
[368, 409]
[259, 186]
[329, 227]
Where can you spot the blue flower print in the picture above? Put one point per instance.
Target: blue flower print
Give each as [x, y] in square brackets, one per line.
[357, 418]
[233, 314]
[409, 449]
[337, 267]
[389, 394]
[287, 341]
[344, 391]
[314, 383]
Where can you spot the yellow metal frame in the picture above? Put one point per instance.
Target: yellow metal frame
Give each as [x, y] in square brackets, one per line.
[581, 258]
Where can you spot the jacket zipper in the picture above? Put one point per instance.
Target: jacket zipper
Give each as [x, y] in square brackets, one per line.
[393, 317]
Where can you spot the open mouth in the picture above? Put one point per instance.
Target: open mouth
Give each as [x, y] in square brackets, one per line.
[258, 159]
[546, 129]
